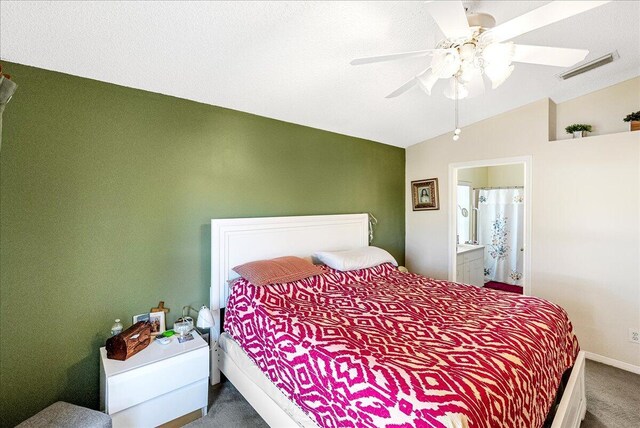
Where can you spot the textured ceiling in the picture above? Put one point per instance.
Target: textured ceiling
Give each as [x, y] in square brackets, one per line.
[290, 60]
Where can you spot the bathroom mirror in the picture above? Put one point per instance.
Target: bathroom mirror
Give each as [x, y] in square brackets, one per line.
[464, 210]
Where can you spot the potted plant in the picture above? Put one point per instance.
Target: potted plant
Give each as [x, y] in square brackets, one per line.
[578, 130]
[634, 121]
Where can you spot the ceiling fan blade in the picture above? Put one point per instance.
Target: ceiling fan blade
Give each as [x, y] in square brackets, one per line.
[545, 55]
[450, 17]
[391, 57]
[404, 88]
[540, 17]
[408, 85]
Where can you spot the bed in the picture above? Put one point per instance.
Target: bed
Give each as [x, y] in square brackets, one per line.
[468, 365]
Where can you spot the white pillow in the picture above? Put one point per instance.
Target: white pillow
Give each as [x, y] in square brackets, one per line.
[360, 258]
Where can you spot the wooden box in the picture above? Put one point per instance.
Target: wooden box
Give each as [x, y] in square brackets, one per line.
[129, 342]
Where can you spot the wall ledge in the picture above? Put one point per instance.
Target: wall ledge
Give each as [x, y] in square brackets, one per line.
[594, 138]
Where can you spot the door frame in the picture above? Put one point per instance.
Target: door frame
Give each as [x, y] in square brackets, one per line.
[528, 203]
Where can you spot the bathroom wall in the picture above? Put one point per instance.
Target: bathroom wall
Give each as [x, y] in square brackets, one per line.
[478, 177]
[505, 175]
[493, 176]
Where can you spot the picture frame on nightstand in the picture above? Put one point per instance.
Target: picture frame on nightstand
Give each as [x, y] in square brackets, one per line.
[141, 317]
[156, 319]
[158, 325]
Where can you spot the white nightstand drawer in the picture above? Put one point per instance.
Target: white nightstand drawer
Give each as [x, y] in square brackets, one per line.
[164, 408]
[132, 387]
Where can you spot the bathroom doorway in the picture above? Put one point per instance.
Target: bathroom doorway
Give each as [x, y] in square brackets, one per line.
[489, 224]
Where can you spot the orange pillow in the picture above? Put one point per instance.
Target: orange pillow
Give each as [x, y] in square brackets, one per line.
[275, 271]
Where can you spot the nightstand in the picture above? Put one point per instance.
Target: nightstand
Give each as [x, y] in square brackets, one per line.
[157, 385]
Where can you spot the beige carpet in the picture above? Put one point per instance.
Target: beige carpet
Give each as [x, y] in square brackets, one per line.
[613, 397]
[228, 408]
[613, 401]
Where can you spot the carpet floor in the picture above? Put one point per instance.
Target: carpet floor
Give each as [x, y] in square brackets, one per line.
[613, 401]
[613, 397]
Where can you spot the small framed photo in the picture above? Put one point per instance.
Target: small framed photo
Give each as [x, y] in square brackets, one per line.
[156, 319]
[140, 317]
[157, 323]
[424, 194]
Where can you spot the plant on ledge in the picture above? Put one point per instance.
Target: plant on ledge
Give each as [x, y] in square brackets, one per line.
[632, 117]
[577, 127]
[578, 130]
[634, 121]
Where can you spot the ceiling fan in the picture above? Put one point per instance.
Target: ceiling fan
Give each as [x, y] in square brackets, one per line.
[474, 47]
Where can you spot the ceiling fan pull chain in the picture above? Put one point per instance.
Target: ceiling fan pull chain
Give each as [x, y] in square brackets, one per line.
[457, 130]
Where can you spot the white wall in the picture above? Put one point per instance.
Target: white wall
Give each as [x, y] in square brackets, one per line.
[585, 245]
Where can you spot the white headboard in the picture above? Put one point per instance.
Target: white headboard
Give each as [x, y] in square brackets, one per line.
[239, 240]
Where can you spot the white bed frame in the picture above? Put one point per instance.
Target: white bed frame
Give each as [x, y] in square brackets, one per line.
[237, 241]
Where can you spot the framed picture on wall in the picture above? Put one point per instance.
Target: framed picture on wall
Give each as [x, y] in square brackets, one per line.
[424, 194]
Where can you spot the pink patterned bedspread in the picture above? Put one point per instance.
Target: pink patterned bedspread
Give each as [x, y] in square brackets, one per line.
[376, 348]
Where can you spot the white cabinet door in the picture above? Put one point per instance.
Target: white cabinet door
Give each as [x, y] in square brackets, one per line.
[476, 272]
[470, 267]
[462, 273]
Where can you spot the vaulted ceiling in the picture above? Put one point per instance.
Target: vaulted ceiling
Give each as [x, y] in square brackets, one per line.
[290, 60]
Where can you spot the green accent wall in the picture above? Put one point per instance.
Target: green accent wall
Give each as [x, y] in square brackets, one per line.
[106, 196]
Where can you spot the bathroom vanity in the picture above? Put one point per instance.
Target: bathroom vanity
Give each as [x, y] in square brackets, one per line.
[470, 264]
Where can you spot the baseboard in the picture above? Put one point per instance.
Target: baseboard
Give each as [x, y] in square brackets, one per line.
[611, 362]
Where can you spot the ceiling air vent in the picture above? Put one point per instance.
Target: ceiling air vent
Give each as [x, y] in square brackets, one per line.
[598, 62]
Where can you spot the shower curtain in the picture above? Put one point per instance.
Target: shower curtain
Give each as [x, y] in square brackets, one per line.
[500, 230]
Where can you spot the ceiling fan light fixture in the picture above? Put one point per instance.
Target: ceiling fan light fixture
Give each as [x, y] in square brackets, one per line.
[498, 53]
[468, 72]
[496, 59]
[445, 64]
[467, 52]
[498, 74]
[450, 90]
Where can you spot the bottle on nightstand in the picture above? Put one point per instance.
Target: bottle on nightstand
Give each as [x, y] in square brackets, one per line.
[116, 328]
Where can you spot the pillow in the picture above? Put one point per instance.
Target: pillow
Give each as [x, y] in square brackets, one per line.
[360, 258]
[275, 271]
